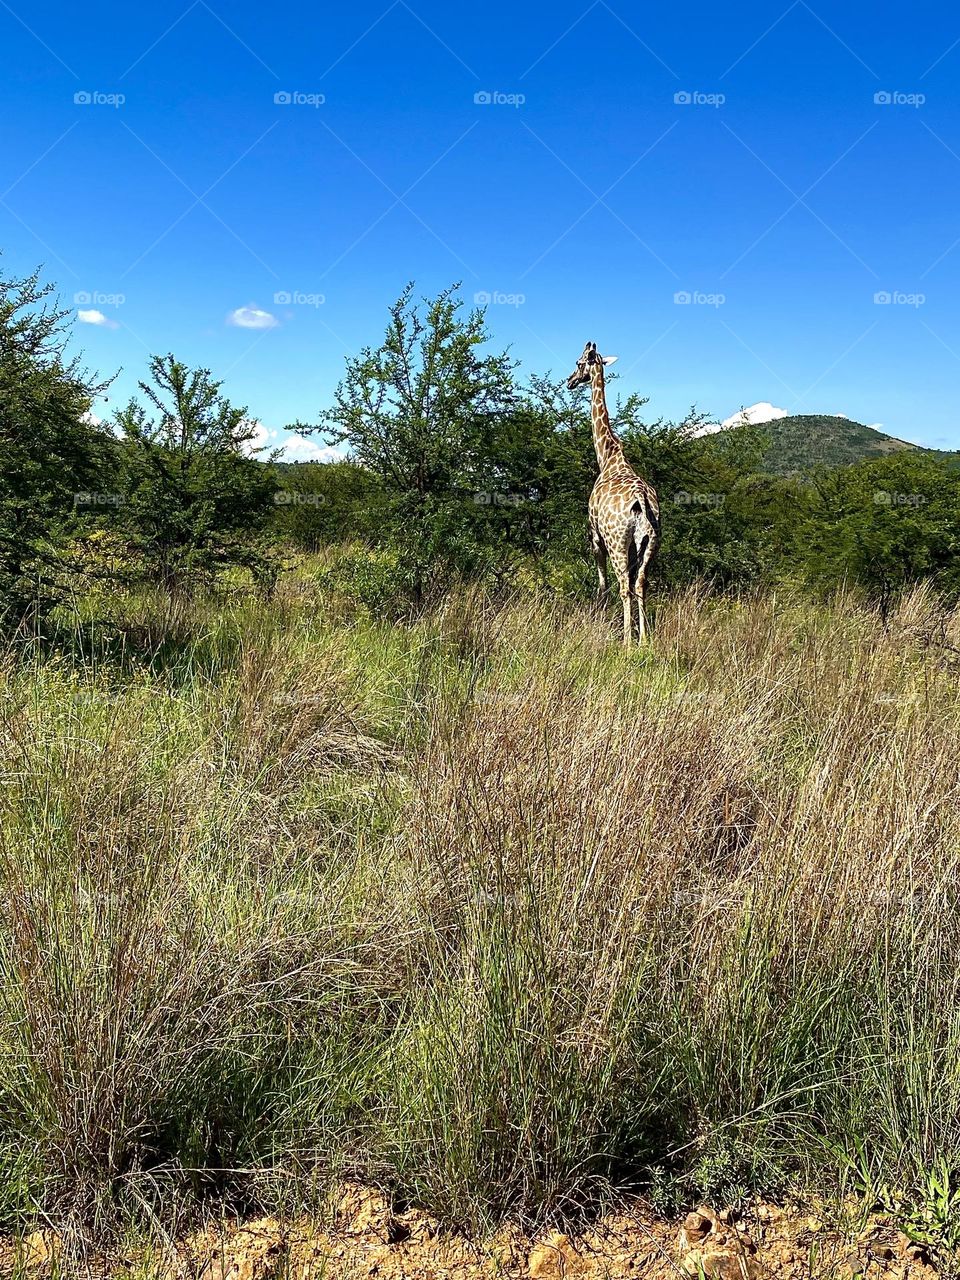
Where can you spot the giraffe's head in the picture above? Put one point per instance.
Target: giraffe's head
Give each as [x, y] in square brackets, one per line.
[591, 357]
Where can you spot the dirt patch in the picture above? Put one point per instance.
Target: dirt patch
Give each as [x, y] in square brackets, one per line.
[366, 1238]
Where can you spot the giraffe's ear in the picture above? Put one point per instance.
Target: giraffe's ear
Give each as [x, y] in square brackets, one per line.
[610, 359]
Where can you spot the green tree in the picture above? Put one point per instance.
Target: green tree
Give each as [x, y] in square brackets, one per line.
[319, 503]
[195, 502]
[55, 463]
[416, 411]
[884, 524]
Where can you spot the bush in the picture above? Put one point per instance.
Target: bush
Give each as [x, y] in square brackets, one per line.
[324, 503]
[56, 467]
[194, 502]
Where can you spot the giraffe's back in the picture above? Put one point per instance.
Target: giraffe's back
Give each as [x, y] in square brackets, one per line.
[614, 502]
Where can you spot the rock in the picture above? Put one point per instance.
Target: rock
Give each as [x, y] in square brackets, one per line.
[710, 1246]
[720, 1264]
[851, 1264]
[554, 1258]
[696, 1225]
[41, 1247]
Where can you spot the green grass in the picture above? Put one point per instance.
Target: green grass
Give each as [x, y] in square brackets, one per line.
[479, 908]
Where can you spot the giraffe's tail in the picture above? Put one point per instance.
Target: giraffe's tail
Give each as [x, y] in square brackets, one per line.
[646, 536]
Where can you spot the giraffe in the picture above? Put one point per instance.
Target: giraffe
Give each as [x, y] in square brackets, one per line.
[623, 512]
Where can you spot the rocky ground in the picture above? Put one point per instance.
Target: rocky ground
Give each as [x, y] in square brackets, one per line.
[366, 1239]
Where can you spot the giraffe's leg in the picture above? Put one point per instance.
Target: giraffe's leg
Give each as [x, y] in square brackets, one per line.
[627, 597]
[647, 545]
[600, 557]
[621, 565]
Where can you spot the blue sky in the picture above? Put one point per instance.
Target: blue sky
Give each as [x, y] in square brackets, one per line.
[778, 164]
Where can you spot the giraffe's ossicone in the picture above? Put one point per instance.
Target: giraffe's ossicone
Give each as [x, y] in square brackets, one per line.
[623, 511]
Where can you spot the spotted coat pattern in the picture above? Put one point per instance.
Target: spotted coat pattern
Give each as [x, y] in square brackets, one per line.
[623, 511]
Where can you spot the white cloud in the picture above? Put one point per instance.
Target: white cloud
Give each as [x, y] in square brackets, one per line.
[762, 411]
[89, 417]
[305, 450]
[260, 438]
[875, 426]
[252, 317]
[310, 451]
[92, 316]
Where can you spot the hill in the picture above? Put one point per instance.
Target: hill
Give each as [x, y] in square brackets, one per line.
[802, 441]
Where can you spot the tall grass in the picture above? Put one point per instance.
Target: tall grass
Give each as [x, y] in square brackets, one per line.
[479, 907]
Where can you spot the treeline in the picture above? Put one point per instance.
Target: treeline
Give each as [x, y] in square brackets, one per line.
[458, 467]
[461, 468]
[165, 492]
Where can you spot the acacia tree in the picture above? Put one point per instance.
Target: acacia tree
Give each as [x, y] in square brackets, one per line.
[195, 500]
[416, 412]
[52, 454]
[884, 523]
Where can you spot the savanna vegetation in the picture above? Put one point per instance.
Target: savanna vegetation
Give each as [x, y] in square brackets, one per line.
[338, 836]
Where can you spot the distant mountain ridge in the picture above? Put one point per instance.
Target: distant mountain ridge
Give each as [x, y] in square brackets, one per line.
[804, 440]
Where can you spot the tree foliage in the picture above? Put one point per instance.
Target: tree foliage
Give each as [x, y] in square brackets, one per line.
[195, 501]
[55, 462]
[417, 411]
[456, 469]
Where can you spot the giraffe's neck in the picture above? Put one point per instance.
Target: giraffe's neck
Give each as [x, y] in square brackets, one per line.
[605, 442]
